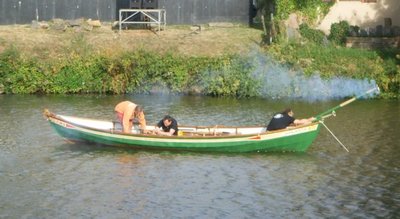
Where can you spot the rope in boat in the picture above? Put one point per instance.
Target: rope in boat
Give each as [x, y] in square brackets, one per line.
[333, 135]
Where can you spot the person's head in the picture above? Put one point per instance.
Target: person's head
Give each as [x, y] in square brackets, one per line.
[138, 110]
[288, 111]
[167, 120]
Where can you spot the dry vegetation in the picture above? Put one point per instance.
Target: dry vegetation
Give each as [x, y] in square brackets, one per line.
[210, 41]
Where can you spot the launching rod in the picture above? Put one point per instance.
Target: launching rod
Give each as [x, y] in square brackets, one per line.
[332, 110]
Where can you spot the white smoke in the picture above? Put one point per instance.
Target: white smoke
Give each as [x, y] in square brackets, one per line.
[280, 82]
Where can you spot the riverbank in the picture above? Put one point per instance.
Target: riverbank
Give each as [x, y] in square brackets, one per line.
[182, 59]
[183, 40]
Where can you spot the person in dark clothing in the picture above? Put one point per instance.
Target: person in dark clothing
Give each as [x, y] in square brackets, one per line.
[284, 119]
[167, 126]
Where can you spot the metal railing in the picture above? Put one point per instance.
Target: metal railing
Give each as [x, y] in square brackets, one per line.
[146, 16]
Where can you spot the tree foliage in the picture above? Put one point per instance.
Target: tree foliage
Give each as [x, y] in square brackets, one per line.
[310, 9]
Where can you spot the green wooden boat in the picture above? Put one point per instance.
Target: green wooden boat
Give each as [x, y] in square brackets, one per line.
[193, 138]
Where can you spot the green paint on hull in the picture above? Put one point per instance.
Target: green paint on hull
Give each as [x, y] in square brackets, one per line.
[296, 143]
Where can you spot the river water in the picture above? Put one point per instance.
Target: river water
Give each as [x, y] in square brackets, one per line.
[42, 176]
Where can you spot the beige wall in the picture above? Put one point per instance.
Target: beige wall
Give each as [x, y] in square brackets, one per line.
[362, 14]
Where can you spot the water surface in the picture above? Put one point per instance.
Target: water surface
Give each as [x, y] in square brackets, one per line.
[42, 176]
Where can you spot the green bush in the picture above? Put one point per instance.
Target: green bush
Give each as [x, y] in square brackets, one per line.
[392, 72]
[226, 75]
[132, 72]
[19, 74]
[80, 75]
[233, 79]
[331, 61]
[284, 8]
[316, 36]
[339, 32]
[334, 61]
[310, 9]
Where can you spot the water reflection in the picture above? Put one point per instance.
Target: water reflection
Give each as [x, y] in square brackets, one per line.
[43, 177]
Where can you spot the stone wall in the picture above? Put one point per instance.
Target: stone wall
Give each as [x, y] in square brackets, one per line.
[373, 42]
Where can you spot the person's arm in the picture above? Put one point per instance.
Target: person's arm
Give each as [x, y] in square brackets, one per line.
[170, 133]
[126, 123]
[303, 121]
[157, 128]
[142, 121]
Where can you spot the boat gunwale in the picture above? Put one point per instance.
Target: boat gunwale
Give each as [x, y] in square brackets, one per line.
[197, 136]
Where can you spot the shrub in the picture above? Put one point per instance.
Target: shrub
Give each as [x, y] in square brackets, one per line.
[316, 36]
[233, 79]
[19, 74]
[339, 32]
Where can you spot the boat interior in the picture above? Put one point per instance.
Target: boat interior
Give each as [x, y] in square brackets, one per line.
[217, 130]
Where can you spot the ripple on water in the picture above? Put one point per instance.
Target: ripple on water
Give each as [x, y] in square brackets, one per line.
[42, 177]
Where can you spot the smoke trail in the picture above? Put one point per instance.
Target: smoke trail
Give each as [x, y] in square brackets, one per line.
[279, 82]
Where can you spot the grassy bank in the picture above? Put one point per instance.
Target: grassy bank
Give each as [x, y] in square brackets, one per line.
[143, 71]
[330, 61]
[209, 62]
[50, 44]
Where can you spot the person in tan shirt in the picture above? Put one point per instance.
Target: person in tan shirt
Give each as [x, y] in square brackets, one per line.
[126, 112]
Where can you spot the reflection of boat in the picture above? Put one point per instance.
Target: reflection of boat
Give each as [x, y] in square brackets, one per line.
[210, 139]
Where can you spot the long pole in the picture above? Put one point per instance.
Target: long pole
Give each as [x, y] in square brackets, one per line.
[330, 111]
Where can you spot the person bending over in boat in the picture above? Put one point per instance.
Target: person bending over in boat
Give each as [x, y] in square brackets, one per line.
[284, 119]
[127, 112]
[167, 126]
